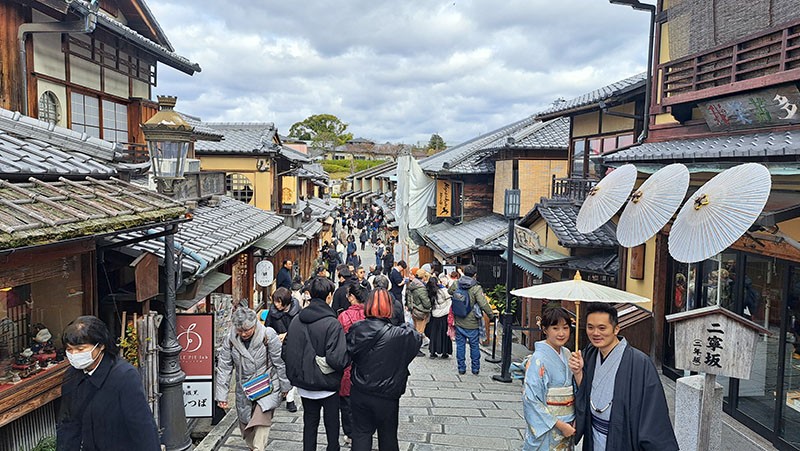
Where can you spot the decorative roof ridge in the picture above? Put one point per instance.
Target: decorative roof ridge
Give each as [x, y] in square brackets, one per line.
[592, 97]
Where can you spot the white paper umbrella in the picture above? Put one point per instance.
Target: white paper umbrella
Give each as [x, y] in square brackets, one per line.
[578, 290]
[652, 205]
[719, 212]
[606, 198]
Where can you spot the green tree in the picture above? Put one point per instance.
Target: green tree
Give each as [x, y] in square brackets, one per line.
[436, 144]
[325, 131]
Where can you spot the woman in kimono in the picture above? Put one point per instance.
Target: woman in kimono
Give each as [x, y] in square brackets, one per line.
[548, 400]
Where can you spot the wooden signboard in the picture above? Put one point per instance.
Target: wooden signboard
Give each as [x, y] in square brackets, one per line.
[714, 340]
[637, 262]
[146, 275]
[527, 239]
[444, 199]
[767, 107]
[288, 190]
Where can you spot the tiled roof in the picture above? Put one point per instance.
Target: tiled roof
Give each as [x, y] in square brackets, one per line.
[753, 145]
[453, 155]
[276, 239]
[320, 207]
[606, 263]
[164, 54]
[561, 216]
[214, 234]
[200, 129]
[40, 212]
[460, 238]
[240, 138]
[294, 155]
[591, 98]
[550, 135]
[29, 146]
[374, 171]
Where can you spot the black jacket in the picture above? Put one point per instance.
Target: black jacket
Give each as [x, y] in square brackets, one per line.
[381, 370]
[108, 410]
[280, 321]
[340, 302]
[398, 311]
[327, 339]
[284, 279]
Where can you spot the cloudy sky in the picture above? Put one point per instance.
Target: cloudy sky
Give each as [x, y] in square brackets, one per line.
[396, 71]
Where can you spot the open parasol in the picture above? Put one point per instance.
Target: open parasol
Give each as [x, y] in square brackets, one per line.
[579, 290]
[652, 205]
[606, 198]
[720, 212]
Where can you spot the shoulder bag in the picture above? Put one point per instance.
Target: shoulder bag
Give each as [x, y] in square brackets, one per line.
[261, 385]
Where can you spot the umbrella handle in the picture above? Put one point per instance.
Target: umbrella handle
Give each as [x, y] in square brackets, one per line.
[577, 322]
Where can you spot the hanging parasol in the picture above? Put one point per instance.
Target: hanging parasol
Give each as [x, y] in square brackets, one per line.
[605, 199]
[720, 212]
[579, 290]
[652, 205]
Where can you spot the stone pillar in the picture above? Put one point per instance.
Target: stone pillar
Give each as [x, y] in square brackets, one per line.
[688, 400]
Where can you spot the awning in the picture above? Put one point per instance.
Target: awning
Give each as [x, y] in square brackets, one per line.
[781, 206]
[536, 263]
[524, 265]
[275, 240]
[209, 283]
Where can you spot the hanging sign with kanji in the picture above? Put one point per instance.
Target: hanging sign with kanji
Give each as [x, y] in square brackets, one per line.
[444, 199]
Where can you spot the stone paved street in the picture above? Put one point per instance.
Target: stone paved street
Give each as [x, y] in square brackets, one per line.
[441, 410]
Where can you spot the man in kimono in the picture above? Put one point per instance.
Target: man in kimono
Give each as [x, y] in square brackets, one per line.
[620, 403]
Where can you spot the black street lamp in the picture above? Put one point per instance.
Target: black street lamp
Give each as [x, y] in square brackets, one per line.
[168, 137]
[511, 212]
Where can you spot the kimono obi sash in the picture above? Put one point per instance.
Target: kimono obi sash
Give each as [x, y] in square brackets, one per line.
[561, 401]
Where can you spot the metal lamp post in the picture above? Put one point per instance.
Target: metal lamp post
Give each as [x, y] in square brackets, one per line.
[168, 137]
[511, 212]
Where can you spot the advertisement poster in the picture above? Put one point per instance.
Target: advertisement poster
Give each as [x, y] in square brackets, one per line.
[196, 337]
[198, 398]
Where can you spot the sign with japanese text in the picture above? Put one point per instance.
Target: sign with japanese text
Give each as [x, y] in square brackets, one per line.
[774, 106]
[288, 190]
[265, 273]
[713, 340]
[198, 398]
[444, 199]
[527, 239]
[196, 337]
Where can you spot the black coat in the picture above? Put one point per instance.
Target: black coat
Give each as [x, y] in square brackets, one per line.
[398, 311]
[327, 339]
[381, 370]
[284, 279]
[279, 321]
[639, 415]
[106, 411]
[340, 302]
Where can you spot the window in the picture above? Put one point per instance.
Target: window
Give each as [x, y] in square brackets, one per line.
[458, 200]
[338, 157]
[586, 153]
[86, 111]
[115, 121]
[85, 114]
[238, 187]
[49, 107]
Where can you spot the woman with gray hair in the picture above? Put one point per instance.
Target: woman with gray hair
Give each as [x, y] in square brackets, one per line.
[252, 350]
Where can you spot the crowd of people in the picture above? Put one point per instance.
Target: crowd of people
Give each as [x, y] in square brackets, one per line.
[341, 343]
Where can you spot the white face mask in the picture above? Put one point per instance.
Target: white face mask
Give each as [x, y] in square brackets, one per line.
[81, 360]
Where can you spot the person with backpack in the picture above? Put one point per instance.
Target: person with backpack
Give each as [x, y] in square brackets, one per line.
[468, 301]
[418, 300]
[357, 296]
[316, 356]
[363, 237]
[381, 354]
[284, 308]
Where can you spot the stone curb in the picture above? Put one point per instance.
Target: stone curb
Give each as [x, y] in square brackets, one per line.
[218, 432]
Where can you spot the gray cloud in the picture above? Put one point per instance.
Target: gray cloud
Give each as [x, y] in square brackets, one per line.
[396, 71]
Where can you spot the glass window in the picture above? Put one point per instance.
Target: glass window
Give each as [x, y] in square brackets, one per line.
[85, 114]
[595, 151]
[791, 380]
[578, 155]
[458, 194]
[609, 144]
[624, 140]
[49, 108]
[115, 121]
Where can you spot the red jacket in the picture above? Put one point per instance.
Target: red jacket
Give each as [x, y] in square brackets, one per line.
[349, 317]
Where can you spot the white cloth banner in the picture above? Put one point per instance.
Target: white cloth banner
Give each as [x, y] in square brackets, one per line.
[415, 193]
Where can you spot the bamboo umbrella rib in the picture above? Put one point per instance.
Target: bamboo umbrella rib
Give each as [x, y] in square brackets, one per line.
[76, 197]
[122, 191]
[128, 209]
[45, 200]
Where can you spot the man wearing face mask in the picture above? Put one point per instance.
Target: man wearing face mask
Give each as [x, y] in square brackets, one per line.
[103, 404]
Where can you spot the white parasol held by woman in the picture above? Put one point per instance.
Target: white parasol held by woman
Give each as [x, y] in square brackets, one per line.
[578, 290]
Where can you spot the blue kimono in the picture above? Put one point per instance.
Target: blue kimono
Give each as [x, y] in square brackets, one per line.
[548, 396]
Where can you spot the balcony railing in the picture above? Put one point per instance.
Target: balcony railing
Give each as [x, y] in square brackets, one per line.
[575, 189]
[767, 58]
[135, 153]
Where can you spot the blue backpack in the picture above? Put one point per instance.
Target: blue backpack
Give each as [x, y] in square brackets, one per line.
[461, 303]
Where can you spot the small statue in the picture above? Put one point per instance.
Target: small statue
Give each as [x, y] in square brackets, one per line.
[42, 346]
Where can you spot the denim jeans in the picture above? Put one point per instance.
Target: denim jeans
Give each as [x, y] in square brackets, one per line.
[473, 336]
